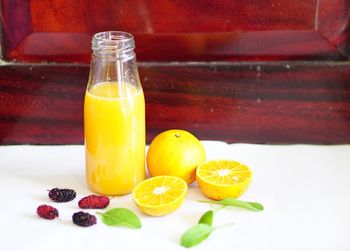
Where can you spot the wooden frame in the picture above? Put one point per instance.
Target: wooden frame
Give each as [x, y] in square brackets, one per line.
[168, 30]
[263, 85]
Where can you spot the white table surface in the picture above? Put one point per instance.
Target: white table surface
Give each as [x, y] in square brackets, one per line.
[305, 190]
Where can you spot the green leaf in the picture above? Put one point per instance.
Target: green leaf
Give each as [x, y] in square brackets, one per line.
[120, 217]
[253, 206]
[196, 235]
[207, 218]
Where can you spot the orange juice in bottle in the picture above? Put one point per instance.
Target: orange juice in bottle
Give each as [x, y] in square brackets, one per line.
[114, 116]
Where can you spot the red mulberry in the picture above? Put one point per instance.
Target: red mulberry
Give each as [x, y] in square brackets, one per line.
[83, 219]
[47, 212]
[62, 195]
[94, 201]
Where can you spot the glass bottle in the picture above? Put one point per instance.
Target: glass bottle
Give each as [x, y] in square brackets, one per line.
[114, 116]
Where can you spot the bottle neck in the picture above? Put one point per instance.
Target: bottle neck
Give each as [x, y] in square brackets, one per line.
[113, 59]
[113, 45]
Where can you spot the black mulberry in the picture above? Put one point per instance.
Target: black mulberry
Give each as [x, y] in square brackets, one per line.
[83, 219]
[62, 195]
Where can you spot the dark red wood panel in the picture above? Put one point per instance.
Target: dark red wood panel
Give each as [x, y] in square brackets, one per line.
[234, 102]
[176, 30]
[175, 16]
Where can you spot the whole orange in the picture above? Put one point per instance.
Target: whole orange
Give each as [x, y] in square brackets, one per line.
[175, 153]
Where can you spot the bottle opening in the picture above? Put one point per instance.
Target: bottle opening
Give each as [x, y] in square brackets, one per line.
[113, 42]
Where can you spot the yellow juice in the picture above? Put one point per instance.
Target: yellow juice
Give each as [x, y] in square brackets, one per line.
[114, 125]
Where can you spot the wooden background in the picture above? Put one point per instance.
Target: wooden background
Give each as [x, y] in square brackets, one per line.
[239, 71]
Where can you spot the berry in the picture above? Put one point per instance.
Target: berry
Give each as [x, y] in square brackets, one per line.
[94, 201]
[83, 219]
[62, 195]
[47, 212]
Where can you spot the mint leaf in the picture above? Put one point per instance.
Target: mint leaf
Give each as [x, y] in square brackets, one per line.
[196, 235]
[207, 218]
[120, 217]
[253, 206]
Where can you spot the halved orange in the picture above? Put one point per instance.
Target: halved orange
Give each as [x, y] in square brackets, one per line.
[160, 195]
[219, 179]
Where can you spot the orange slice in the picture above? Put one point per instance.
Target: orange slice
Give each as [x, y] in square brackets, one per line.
[219, 179]
[160, 195]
